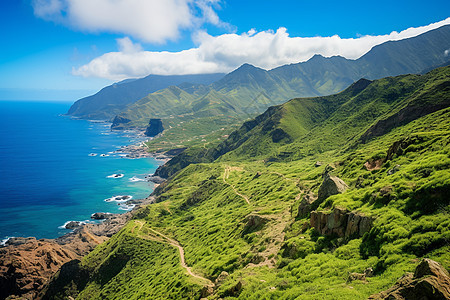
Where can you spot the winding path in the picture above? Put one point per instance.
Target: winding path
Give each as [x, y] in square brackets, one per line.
[226, 174]
[176, 244]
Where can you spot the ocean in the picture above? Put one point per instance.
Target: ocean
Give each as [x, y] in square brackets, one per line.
[55, 169]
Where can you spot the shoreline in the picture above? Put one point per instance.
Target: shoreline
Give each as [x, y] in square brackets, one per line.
[32, 269]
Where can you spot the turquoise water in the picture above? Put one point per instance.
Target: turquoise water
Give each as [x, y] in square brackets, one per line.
[47, 176]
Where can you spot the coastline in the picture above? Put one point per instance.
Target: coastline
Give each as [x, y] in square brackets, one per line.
[35, 261]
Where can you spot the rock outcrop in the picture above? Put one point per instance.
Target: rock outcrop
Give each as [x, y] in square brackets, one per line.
[26, 267]
[120, 123]
[429, 281]
[101, 216]
[305, 206]
[340, 222]
[26, 264]
[331, 185]
[254, 223]
[155, 127]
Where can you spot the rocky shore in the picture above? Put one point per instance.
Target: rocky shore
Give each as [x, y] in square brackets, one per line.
[26, 264]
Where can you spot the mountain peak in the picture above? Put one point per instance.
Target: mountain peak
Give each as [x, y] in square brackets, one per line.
[247, 67]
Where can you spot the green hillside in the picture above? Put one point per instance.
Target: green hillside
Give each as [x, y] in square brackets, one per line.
[201, 111]
[111, 100]
[254, 218]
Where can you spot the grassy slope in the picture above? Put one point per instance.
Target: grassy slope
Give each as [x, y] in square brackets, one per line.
[204, 205]
[199, 110]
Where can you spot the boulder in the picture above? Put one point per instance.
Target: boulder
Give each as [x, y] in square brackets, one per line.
[331, 185]
[429, 281]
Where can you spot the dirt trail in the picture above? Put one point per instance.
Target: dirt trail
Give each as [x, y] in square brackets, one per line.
[173, 243]
[226, 174]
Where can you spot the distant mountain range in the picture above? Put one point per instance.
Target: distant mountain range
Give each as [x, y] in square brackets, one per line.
[205, 103]
[112, 99]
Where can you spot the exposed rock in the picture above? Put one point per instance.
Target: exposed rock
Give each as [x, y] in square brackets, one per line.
[305, 206]
[360, 276]
[16, 241]
[221, 278]
[234, 291]
[253, 223]
[156, 179]
[371, 165]
[331, 185]
[429, 281]
[101, 216]
[206, 291]
[399, 147]
[318, 164]
[340, 222]
[154, 127]
[26, 264]
[24, 268]
[73, 224]
[120, 123]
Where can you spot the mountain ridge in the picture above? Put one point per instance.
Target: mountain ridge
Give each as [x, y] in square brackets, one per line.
[249, 90]
[294, 205]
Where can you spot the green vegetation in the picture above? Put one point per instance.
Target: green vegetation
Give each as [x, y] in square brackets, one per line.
[233, 207]
[195, 114]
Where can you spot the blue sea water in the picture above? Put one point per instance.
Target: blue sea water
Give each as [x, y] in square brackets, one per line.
[47, 176]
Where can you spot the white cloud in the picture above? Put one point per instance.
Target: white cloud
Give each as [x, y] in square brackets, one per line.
[153, 21]
[266, 49]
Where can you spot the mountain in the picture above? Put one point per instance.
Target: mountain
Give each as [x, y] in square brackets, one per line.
[112, 99]
[250, 90]
[332, 197]
[361, 112]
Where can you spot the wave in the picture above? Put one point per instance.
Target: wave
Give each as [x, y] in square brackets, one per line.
[120, 198]
[4, 241]
[126, 206]
[79, 223]
[136, 179]
[92, 154]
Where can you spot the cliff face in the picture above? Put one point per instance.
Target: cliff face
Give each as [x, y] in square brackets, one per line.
[26, 264]
[24, 268]
[154, 127]
[341, 222]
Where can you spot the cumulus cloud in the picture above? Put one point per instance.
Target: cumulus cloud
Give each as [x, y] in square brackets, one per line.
[265, 49]
[152, 21]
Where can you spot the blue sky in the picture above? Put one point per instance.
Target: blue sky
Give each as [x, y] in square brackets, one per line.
[66, 49]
